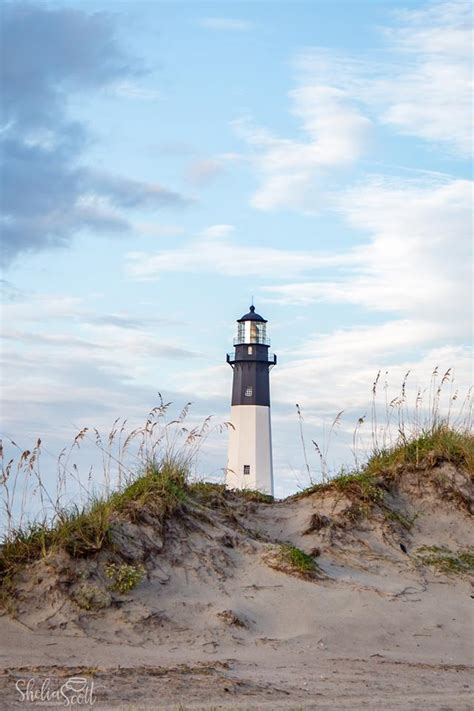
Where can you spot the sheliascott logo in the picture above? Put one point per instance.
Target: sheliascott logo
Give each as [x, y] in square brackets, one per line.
[75, 691]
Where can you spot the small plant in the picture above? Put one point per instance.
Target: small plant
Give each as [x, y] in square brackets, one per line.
[298, 559]
[124, 577]
[91, 597]
[289, 559]
[362, 485]
[445, 560]
[467, 559]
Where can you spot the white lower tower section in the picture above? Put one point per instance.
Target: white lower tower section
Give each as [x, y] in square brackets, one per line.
[249, 464]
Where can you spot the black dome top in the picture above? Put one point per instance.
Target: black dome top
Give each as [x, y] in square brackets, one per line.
[252, 316]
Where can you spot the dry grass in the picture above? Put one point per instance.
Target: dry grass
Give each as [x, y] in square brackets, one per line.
[437, 429]
[146, 472]
[124, 451]
[84, 532]
[431, 447]
[367, 488]
[434, 422]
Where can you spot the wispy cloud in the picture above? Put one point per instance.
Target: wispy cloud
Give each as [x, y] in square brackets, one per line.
[421, 86]
[418, 85]
[417, 257]
[292, 172]
[225, 24]
[213, 251]
[70, 356]
[133, 90]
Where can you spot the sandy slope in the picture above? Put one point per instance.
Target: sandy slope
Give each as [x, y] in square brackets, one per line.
[214, 625]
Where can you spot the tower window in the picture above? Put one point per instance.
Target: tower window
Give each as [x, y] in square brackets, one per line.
[250, 350]
[246, 468]
[249, 391]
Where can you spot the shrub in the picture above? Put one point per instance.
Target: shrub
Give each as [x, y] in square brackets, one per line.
[124, 577]
[91, 597]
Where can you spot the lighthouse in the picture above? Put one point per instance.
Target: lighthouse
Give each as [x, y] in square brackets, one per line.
[250, 464]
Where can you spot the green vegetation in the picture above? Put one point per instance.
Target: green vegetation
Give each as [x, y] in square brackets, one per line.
[210, 491]
[158, 492]
[363, 488]
[434, 446]
[161, 490]
[255, 496]
[297, 561]
[125, 577]
[91, 597]
[445, 560]
[207, 490]
[83, 532]
[367, 484]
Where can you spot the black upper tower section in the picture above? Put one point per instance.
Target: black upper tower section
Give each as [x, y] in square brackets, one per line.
[251, 361]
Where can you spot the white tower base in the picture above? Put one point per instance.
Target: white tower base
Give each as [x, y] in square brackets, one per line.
[250, 449]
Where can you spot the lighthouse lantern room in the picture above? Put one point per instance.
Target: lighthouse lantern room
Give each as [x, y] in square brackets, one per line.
[249, 464]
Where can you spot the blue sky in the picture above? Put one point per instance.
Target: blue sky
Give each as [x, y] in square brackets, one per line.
[166, 161]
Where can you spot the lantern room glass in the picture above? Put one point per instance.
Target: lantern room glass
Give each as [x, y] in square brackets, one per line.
[252, 332]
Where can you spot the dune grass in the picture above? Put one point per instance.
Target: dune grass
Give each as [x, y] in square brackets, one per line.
[439, 444]
[162, 488]
[146, 472]
[442, 444]
[158, 483]
[159, 491]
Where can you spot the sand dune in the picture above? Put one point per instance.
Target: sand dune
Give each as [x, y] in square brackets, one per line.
[228, 616]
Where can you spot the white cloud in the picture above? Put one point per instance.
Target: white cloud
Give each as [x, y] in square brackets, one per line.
[335, 134]
[421, 85]
[119, 344]
[416, 265]
[418, 258]
[339, 368]
[225, 24]
[213, 252]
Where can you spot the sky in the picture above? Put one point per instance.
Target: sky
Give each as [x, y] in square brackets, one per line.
[166, 162]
